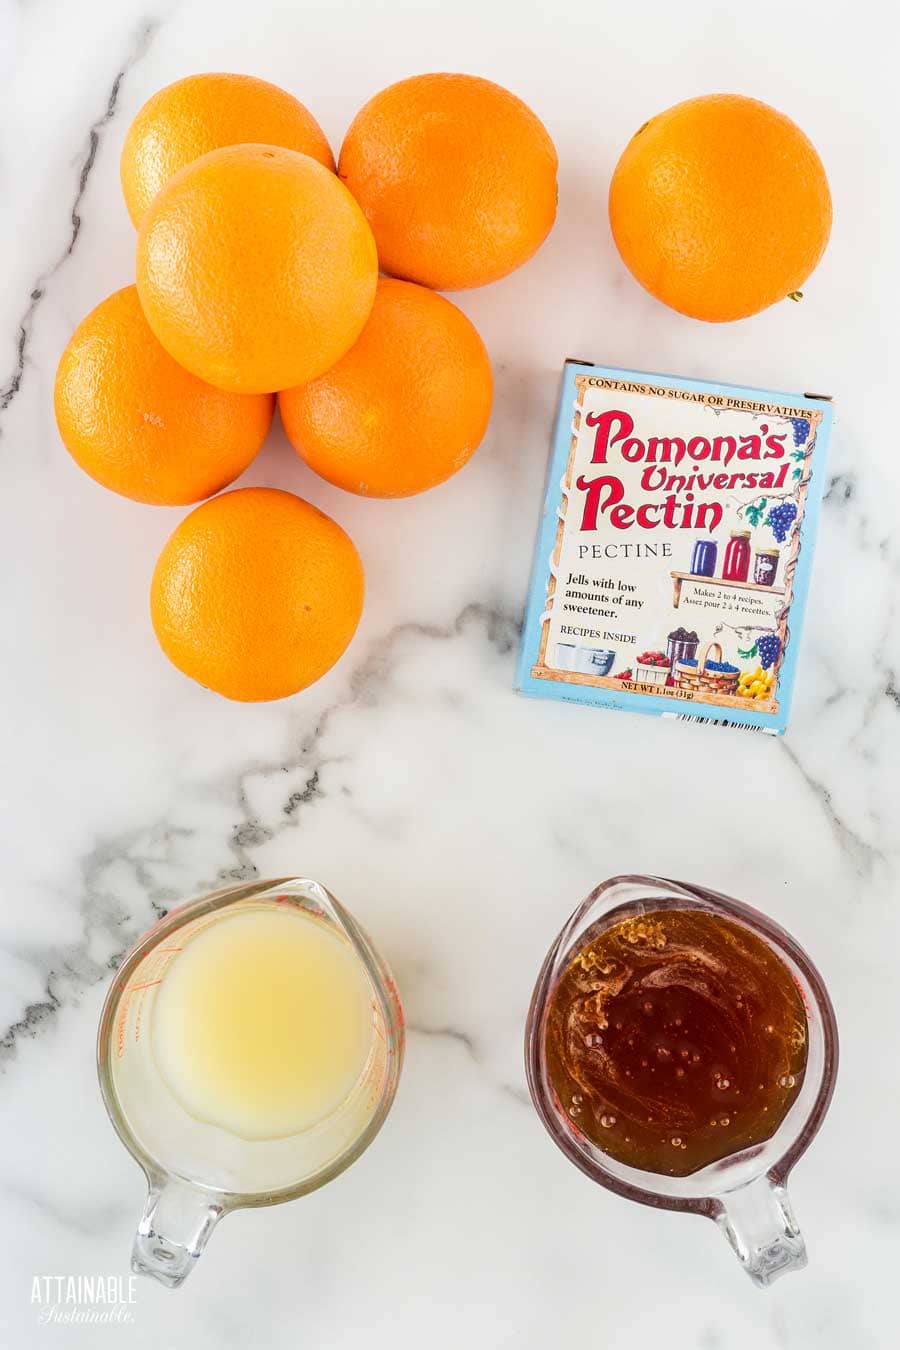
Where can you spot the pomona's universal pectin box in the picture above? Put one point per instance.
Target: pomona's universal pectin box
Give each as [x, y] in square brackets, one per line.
[674, 552]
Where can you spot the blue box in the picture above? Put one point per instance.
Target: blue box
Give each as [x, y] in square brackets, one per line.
[675, 547]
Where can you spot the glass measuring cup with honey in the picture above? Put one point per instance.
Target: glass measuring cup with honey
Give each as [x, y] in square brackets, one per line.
[249, 1050]
[681, 1050]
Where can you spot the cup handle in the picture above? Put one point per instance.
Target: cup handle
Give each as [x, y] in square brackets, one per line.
[759, 1223]
[174, 1228]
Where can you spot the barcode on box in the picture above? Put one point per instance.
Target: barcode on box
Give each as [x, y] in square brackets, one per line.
[719, 722]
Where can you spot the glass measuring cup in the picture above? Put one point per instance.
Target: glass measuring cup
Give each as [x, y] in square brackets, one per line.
[745, 1193]
[196, 1172]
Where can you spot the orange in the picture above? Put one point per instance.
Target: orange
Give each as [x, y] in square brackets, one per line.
[189, 118]
[256, 268]
[142, 426]
[256, 594]
[457, 178]
[720, 206]
[407, 405]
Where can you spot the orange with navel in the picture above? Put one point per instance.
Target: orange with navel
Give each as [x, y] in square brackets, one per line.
[256, 268]
[405, 408]
[138, 423]
[457, 177]
[256, 594]
[720, 207]
[200, 113]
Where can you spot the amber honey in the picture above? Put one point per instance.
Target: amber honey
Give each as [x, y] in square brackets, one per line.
[674, 1039]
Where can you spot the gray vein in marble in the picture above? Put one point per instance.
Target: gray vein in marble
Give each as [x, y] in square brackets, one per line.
[31, 1022]
[841, 489]
[455, 1034]
[448, 1033]
[843, 496]
[887, 688]
[72, 969]
[8, 392]
[298, 799]
[862, 854]
[367, 683]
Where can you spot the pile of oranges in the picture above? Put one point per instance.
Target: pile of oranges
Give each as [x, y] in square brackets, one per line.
[264, 272]
[257, 276]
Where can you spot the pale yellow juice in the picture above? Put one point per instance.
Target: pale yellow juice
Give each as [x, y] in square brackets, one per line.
[263, 1023]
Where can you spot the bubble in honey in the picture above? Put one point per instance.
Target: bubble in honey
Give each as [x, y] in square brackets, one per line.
[787, 1080]
[607, 1121]
[723, 1084]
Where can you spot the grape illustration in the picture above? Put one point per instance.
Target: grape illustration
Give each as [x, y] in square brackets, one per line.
[781, 518]
[768, 647]
[801, 430]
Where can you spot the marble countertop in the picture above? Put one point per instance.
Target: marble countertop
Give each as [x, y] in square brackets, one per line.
[459, 822]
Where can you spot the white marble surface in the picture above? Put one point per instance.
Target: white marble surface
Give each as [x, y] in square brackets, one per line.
[460, 823]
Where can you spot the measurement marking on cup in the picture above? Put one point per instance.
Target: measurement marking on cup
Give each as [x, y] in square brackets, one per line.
[120, 1025]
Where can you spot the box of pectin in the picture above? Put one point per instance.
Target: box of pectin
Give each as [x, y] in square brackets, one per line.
[675, 547]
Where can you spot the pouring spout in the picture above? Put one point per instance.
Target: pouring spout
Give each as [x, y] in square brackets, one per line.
[758, 1221]
[174, 1229]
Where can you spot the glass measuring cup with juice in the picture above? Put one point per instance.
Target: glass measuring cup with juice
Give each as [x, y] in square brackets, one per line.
[681, 1050]
[249, 1051]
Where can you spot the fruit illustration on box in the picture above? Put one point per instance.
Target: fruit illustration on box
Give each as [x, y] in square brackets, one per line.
[781, 518]
[756, 684]
[768, 647]
[707, 675]
[652, 667]
[761, 683]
